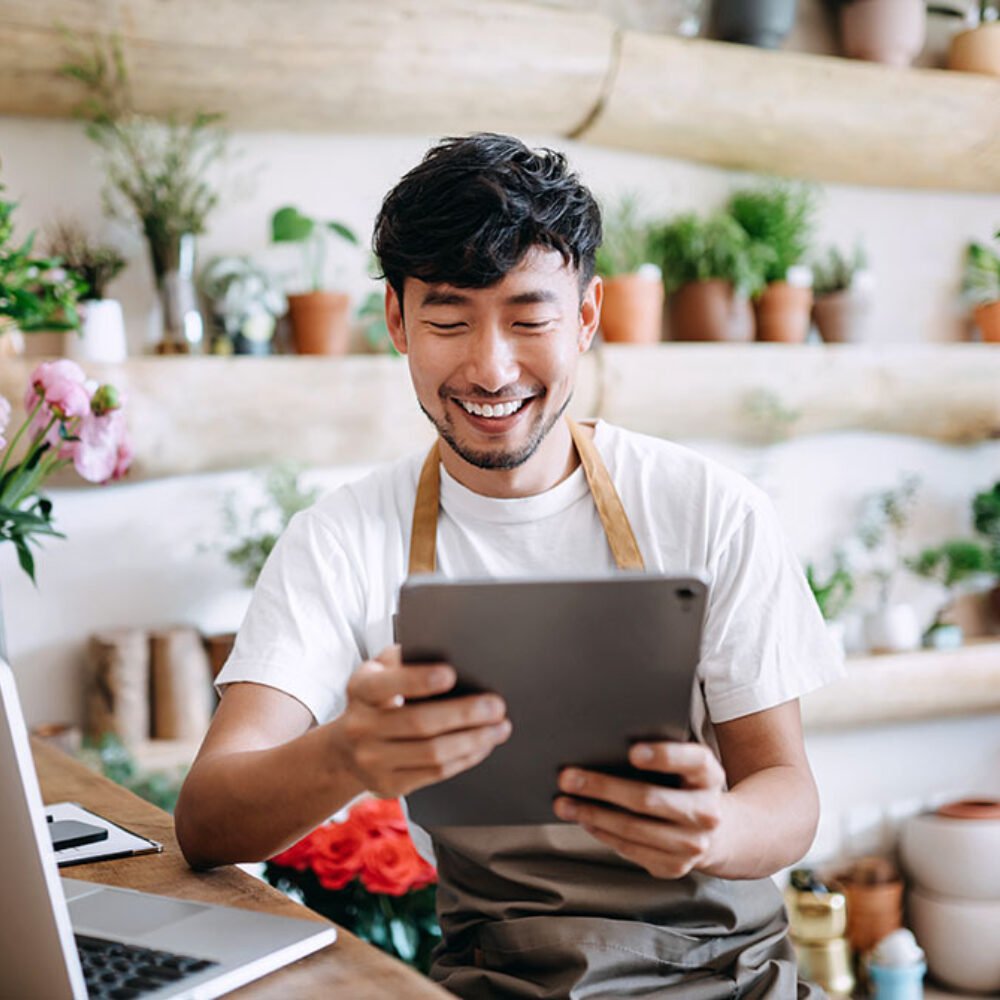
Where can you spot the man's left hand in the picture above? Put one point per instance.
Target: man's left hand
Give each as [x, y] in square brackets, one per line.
[667, 831]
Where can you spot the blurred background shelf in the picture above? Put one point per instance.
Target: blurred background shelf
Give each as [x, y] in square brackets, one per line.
[440, 67]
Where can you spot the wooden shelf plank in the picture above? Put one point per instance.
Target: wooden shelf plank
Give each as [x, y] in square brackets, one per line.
[361, 409]
[904, 687]
[432, 67]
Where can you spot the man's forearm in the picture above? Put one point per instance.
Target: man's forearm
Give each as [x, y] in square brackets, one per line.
[250, 804]
[768, 822]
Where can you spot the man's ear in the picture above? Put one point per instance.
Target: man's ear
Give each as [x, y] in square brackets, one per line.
[590, 312]
[394, 319]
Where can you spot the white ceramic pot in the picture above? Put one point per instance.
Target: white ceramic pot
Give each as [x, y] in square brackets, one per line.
[102, 337]
[894, 629]
[953, 857]
[960, 940]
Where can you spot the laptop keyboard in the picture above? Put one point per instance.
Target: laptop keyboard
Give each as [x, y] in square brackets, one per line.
[122, 971]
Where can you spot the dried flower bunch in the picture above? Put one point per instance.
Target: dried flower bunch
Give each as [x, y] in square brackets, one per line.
[95, 264]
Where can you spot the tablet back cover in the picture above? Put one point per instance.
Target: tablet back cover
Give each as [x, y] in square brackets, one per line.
[586, 667]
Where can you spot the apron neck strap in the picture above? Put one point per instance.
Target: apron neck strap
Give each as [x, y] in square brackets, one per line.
[621, 539]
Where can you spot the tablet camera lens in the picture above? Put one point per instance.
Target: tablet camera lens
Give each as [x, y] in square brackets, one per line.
[686, 594]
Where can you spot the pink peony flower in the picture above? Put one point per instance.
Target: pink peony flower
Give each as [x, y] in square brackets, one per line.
[103, 452]
[4, 420]
[61, 385]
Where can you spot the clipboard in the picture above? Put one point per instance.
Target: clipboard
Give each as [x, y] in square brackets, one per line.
[587, 667]
[120, 842]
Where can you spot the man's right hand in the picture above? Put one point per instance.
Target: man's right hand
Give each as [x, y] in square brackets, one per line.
[394, 741]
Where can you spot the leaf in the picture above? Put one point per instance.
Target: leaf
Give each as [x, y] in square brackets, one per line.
[405, 938]
[289, 226]
[344, 232]
[25, 558]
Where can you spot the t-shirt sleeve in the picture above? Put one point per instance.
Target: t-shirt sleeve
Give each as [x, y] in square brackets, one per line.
[297, 635]
[764, 641]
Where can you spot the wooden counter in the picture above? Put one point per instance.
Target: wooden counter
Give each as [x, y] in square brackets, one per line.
[349, 968]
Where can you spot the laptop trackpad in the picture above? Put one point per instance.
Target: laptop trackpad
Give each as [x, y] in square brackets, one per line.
[127, 915]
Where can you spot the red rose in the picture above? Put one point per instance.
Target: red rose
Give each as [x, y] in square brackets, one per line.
[375, 817]
[298, 856]
[391, 865]
[336, 857]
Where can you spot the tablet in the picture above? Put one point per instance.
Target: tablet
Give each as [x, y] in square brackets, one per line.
[586, 666]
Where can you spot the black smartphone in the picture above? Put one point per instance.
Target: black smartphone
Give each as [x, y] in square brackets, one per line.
[72, 833]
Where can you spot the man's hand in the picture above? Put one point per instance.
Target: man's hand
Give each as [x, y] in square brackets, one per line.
[393, 742]
[667, 831]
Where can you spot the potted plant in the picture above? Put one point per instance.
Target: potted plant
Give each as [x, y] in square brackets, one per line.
[158, 174]
[885, 31]
[320, 319]
[764, 23]
[890, 626]
[35, 292]
[986, 522]
[841, 304]
[952, 563]
[244, 303]
[977, 50]
[981, 286]
[778, 218]
[95, 265]
[833, 594]
[632, 310]
[710, 270]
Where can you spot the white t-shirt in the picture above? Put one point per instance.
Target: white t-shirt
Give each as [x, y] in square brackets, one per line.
[326, 597]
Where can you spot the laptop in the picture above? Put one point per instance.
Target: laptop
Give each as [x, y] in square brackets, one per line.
[63, 938]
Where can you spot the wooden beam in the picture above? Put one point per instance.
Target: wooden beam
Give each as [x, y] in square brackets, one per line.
[797, 115]
[191, 415]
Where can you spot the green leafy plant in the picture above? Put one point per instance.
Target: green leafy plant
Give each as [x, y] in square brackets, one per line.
[885, 516]
[251, 538]
[833, 593]
[157, 171]
[693, 249]
[371, 316]
[289, 225]
[778, 218]
[629, 240]
[94, 264]
[116, 763]
[835, 270]
[953, 563]
[981, 275]
[35, 292]
[986, 514]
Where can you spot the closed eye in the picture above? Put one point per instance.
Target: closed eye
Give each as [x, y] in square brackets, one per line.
[445, 326]
[534, 326]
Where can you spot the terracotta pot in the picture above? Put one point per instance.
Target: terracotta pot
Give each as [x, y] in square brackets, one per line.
[632, 312]
[320, 322]
[976, 51]
[46, 344]
[885, 31]
[873, 911]
[710, 311]
[987, 318]
[783, 313]
[841, 317]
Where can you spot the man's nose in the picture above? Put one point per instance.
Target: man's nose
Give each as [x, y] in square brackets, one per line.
[492, 364]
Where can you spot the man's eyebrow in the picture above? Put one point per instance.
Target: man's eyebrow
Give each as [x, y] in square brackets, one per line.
[443, 297]
[534, 297]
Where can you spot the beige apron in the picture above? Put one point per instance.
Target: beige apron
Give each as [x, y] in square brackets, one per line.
[547, 911]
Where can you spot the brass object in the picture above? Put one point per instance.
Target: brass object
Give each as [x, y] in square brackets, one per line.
[818, 921]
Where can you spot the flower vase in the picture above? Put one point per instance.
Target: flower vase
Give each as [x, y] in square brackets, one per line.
[102, 336]
[182, 326]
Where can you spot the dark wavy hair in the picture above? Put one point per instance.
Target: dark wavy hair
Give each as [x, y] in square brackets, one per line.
[474, 206]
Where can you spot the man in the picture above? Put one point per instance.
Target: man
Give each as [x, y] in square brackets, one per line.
[488, 251]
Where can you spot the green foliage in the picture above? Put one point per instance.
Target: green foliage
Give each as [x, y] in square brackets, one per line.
[692, 249]
[94, 264]
[629, 241]
[954, 561]
[981, 274]
[778, 218]
[251, 541]
[885, 516]
[371, 316]
[986, 513]
[34, 293]
[157, 172]
[289, 225]
[117, 764]
[835, 271]
[834, 593]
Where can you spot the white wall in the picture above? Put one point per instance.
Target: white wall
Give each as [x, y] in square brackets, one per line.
[915, 239]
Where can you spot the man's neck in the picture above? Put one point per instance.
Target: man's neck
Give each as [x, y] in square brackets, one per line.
[553, 461]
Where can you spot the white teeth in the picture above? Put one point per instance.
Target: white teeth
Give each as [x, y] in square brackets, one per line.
[492, 410]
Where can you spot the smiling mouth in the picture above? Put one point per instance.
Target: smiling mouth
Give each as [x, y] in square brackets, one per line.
[505, 408]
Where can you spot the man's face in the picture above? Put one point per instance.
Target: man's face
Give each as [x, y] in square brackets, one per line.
[494, 368]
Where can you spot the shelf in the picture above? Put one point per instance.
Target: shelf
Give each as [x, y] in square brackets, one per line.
[905, 687]
[361, 409]
[433, 67]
